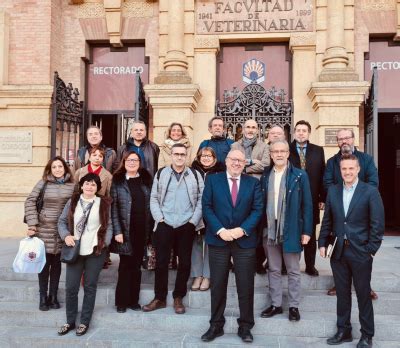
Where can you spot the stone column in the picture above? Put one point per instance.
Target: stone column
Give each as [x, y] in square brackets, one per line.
[397, 35]
[336, 61]
[175, 63]
[4, 43]
[176, 59]
[335, 54]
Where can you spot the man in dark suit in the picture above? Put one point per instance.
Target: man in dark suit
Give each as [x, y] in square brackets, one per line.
[232, 208]
[311, 158]
[354, 214]
[332, 176]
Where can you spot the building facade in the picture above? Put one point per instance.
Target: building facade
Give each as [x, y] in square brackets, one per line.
[277, 61]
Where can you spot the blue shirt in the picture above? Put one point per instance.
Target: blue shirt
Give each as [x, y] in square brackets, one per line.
[304, 148]
[348, 195]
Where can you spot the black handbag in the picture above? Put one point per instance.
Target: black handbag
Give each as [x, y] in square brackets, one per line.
[39, 200]
[69, 254]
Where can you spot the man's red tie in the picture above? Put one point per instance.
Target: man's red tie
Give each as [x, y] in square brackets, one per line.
[234, 191]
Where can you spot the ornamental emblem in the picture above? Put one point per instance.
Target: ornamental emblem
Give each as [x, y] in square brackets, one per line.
[253, 71]
[32, 256]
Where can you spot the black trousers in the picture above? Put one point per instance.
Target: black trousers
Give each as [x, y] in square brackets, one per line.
[165, 238]
[90, 267]
[244, 261]
[129, 271]
[310, 250]
[52, 270]
[351, 267]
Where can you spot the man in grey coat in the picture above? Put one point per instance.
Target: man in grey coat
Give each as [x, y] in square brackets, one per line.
[175, 204]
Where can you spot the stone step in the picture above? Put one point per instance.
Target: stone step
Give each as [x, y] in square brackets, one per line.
[194, 322]
[311, 300]
[18, 337]
[381, 281]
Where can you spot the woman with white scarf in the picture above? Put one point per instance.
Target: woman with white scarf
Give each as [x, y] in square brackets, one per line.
[175, 134]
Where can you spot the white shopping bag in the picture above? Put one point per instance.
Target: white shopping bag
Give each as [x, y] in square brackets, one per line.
[31, 256]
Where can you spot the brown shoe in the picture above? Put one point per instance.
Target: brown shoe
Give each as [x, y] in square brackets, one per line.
[332, 292]
[178, 306]
[374, 295]
[154, 305]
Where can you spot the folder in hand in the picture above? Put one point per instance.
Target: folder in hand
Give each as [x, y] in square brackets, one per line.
[331, 247]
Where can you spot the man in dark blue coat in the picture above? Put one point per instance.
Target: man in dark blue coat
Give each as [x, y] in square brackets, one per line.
[354, 215]
[218, 142]
[287, 223]
[232, 207]
[332, 176]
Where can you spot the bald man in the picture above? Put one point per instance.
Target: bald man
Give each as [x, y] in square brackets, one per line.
[255, 150]
[232, 207]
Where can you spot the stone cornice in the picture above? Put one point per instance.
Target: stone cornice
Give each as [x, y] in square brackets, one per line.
[337, 94]
[173, 96]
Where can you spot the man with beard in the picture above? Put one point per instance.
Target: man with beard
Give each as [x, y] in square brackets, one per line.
[368, 172]
[218, 142]
[311, 158]
[146, 149]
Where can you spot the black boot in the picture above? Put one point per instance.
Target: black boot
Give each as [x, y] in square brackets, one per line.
[53, 302]
[43, 306]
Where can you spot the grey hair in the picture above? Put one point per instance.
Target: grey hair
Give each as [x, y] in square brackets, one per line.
[279, 142]
[346, 130]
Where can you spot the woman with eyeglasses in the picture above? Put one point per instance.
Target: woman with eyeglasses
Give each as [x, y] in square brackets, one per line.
[56, 187]
[206, 164]
[132, 224]
[86, 216]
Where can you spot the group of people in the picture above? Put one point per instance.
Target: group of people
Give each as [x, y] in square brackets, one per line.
[252, 202]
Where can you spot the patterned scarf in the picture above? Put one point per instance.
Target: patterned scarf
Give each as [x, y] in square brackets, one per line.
[81, 224]
[274, 230]
[248, 145]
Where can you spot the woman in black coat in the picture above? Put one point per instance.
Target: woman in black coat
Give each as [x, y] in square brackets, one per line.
[131, 219]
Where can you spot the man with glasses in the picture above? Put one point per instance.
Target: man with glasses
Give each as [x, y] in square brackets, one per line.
[175, 204]
[368, 171]
[287, 226]
[257, 158]
[232, 208]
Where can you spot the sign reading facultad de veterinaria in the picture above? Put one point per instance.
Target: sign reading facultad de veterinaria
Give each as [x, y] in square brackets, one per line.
[15, 146]
[253, 16]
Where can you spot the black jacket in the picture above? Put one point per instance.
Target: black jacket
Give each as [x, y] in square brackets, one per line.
[219, 167]
[151, 152]
[368, 171]
[121, 210]
[315, 168]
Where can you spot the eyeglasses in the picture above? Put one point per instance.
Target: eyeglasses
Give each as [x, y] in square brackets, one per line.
[279, 152]
[236, 160]
[207, 156]
[177, 154]
[132, 160]
[340, 140]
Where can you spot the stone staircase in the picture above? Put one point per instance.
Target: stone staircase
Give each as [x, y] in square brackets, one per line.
[23, 325]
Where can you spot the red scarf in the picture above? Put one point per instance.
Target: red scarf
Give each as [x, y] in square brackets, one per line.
[97, 171]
